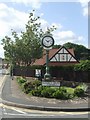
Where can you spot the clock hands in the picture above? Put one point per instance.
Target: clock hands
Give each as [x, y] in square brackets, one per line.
[47, 40]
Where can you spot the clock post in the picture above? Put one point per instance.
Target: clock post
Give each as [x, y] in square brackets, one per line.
[47, 43]
[47, 75]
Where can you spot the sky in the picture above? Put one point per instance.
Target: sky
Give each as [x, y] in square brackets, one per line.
[69, 17]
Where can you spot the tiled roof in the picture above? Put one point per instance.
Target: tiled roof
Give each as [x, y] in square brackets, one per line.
[42, 60]
[52, 52]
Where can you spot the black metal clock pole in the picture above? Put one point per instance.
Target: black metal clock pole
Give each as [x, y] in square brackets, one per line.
[47, 76]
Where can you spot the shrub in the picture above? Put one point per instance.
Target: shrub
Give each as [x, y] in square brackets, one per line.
[82, 86]
[37, 92]
[35, 88]
[60, 94]
[63, 93]
[83, 66]
[25, 87]
[21, 80]
[63, 89]
[52, 92]
[37, 83]
[48, 92]
[78, 92]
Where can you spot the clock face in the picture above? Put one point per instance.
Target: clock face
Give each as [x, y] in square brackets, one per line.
[47, 41]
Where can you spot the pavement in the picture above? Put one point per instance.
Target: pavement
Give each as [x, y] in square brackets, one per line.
[12, 95]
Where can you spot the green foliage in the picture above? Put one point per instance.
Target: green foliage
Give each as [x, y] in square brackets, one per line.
[21, 80]
[57, 46]
[53, 92]
[83, 66]
[83, 86]
[63, 68]
[27, 48]
[27, 86]
[81, 52]
[60, 94]
[78, 92]
[31, 85]
[63, 93]
[37, 83]
[48, 92]
[36, 89]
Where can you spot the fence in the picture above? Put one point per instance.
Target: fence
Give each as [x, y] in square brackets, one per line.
[68, 75]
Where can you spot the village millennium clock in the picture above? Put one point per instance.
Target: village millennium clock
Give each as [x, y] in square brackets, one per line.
[47, 41]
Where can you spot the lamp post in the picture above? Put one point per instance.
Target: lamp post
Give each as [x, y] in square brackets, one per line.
[12, 64]
[12, 70]
[47, 43]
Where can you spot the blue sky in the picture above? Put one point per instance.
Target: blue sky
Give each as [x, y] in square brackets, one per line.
[70, 18]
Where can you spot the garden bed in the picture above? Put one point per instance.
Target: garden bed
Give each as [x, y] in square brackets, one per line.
[34, 88]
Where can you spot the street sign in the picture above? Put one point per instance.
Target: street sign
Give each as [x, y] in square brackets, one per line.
[55, 84]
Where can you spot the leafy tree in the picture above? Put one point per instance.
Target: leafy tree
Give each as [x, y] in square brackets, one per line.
[57, 46]
[81, 52]
[26, 48]
[83, 66]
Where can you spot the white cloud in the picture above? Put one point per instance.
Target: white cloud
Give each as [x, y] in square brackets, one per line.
[33, 3]
[62, 37]
[57, 25]
[85, 11]
[45, 25]
[1, 51]
[11, 19]
[84, 4]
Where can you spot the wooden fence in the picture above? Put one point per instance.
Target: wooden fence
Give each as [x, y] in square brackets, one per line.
[78, 76]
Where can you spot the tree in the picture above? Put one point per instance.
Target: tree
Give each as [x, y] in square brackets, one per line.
[26, 48]
[57, 46]
[81, 52]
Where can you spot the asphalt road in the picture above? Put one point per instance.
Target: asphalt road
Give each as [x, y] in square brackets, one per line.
[14, 112]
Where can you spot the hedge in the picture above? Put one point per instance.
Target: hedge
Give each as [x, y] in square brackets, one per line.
[83, 66]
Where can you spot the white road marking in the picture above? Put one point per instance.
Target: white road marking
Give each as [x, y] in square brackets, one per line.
[40, 113]
[28, 114]
[2, 81]
[1, 105]
[43, 112]
[19, 111]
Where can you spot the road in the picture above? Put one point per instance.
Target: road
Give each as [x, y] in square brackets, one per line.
[15, 112]
[1, 82]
